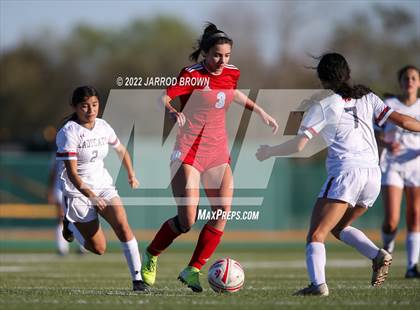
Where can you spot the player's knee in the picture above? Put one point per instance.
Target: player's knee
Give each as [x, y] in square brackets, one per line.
[315, 236]
[97, 248]
[183, 225]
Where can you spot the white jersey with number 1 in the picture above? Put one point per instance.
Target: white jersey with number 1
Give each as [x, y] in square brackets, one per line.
[347, 127]
[89, 147]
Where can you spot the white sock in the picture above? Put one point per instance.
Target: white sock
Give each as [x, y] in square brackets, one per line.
[389, 240]
[62, 244]
[357, 239]
[413, 248]
[77, 234]
[131, 253]
[315, 262]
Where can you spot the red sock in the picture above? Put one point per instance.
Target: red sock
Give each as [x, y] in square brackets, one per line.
[206, 245]
[162, 240]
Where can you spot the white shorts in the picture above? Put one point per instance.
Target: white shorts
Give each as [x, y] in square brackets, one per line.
[404, 174]
[359, 186]
[80, 209]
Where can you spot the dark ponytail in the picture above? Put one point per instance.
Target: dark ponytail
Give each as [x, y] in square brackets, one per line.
[210, 37]
[334, 69]
[80, 94]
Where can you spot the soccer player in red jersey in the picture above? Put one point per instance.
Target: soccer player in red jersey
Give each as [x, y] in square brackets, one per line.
[201, 151]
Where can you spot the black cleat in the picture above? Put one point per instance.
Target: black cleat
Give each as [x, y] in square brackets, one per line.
[412, 273]
[140, 286]
[67, 233]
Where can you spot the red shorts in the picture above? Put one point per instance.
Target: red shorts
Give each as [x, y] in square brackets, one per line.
[201, 162]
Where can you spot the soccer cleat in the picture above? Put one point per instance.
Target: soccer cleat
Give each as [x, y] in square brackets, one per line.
[149, 268]
[67, 233]
[412, 273]
[314, 290]
[380, 266]
[190, 277]
[140, 286]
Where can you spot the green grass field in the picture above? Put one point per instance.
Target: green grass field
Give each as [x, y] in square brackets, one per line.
[272, 273]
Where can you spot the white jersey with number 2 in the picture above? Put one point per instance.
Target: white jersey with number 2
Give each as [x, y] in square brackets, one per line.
[89, 147]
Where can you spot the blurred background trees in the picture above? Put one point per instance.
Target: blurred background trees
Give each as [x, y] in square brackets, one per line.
[38, 75]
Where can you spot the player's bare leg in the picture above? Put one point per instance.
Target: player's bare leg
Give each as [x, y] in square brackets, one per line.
[91, 236]
[392, 196]
[116, 216]
[185, 187]
[218, 184]
[325, 216]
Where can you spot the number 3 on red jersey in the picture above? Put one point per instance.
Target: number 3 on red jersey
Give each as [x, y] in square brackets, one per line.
[221, 98]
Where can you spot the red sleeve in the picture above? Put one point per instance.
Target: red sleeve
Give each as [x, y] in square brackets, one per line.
[177, 90]
[237, 76]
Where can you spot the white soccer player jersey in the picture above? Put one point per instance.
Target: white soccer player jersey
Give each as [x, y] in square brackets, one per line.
[89, 147]
[347, 128]
[409, 141]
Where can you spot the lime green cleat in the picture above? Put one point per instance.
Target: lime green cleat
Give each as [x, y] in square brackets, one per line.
[149, 268]
[190, 277]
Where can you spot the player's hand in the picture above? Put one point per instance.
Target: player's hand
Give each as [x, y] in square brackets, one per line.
[395, 148]
[179, 117]
[269, 121]
[134, 183]
[263, 152]
[99, 203]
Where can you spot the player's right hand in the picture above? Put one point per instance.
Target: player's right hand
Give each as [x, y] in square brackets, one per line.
[394, 147]
[263, 152]
[134, 183]
[99, 203]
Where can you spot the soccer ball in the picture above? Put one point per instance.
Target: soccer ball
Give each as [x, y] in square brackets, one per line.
[226, 276]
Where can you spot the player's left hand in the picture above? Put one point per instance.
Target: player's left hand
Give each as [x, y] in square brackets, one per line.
[263, 152]
[134, 183]
[269, 121]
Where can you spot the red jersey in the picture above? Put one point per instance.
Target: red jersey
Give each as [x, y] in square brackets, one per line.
[205, 98]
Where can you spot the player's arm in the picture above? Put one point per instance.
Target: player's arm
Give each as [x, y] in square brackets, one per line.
[295, 145]
[404, 121]
[125, 157]
[313, 122]
[174, 91]
[178, 116]
[243, 100]
[71, 169]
